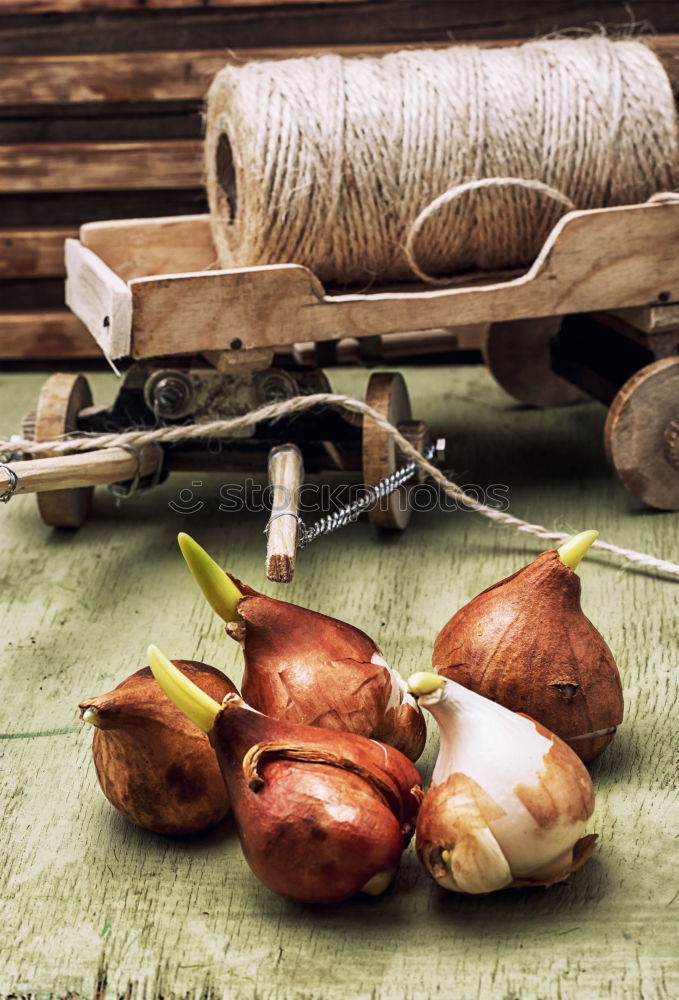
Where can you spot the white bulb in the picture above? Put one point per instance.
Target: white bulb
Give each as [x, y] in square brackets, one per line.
[508, 799]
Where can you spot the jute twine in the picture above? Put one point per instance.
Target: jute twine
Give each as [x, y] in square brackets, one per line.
[273, 411]
[368, 168]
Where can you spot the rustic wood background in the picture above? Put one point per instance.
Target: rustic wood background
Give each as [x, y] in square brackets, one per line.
[100, 112]
[95, 908]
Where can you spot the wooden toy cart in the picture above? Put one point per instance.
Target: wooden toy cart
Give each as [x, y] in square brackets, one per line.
[597, 314]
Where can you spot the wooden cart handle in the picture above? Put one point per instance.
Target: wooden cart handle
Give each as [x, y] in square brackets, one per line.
[66, 472]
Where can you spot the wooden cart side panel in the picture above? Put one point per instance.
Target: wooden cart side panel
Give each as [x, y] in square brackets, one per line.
[603, 259]
[257, 306]
[136, 248]
[100, 298]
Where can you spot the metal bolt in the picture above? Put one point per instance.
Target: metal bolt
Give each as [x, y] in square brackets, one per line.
[170, 394]
[272, 386]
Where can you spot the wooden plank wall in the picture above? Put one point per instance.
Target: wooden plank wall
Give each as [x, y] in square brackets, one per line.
[100, 111]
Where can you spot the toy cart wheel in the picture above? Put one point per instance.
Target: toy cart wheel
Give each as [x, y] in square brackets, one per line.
[61, 399]
[518, 355]
[387, 393]
[642, 434]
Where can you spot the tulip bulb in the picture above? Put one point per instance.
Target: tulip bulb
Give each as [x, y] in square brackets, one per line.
[508, 801]
[321, 815]
[525, 643]
[153, 765]
[302, 666]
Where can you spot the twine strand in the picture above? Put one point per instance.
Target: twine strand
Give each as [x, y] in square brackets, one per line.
[297, 404]
[456, 192]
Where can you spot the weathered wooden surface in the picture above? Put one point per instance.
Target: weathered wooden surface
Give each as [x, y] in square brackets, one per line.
[82, 166]
[642, 434]
[42, 6]
[518, 354]
[96, 94]
[114, 465]
[97, 295]
[33, 253]
[45, 333]
[96, 907]
[577, 270]
[136, 247]
[651, 319]
[379, 21]
[185, 75]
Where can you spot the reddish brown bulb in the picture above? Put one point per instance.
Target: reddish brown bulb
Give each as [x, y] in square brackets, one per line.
[154, 766]
[302, 666]
[321, 815]
[305, 667]
[526, 644]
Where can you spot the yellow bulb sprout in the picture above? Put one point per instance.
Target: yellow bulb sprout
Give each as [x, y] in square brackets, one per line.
[221, 593]
[196, 705]
[423, 683]
[572, 551]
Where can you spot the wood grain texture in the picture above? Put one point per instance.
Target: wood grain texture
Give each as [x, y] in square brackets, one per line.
[82, 166]
[137, 247]
[577, 270]
[114, 465]
[642, 434]
[387, 393]
[174, 76]
[518, 354]
[99, 298]
[49, 334]
[94, 121]
[33, 252]
[651, 319]
[61, 399]
[44, 6]
[397, 346]
[96, 907]
[379, 21]
[34, 208]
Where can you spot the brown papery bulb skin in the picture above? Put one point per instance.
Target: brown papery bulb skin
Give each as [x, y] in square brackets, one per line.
[305, 667]
[526, 644]
[154, 765]
[457, 813]
[319, 813]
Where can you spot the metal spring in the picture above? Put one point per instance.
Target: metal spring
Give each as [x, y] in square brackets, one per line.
[352, 511]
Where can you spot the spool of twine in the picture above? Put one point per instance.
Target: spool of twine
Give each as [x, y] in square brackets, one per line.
[430, 162]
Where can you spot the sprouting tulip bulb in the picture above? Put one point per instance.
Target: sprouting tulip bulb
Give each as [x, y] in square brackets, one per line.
[572, 551]
[423, 683]
[196, 705]
[220, 592]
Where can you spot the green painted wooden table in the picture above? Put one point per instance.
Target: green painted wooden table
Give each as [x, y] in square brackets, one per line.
[95, 907]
